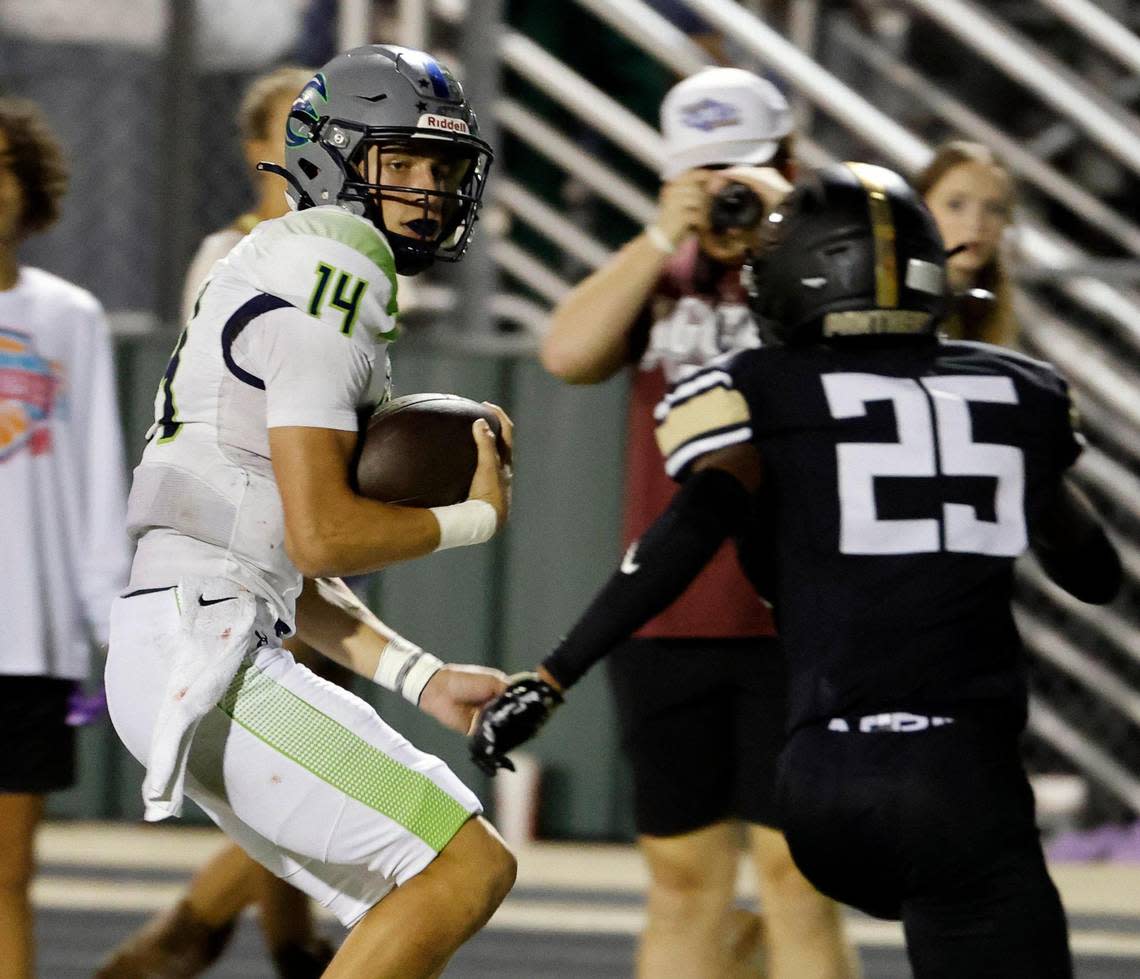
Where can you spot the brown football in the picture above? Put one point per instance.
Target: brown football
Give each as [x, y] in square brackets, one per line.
[418, 450]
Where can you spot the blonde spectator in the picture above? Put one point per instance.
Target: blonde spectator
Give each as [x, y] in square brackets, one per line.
[970, 193]
[261, 119]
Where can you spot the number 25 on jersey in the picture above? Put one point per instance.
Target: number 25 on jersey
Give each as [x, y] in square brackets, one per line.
[934, 439]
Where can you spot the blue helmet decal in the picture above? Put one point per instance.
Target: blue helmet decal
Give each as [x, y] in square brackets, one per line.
[438, 79]
[432, 68]
[316, 88]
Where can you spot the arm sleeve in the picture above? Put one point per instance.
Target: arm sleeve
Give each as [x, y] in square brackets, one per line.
[702, 414]
[1074, 550]
[105, 553]
[710, 506]
[1069, 443]
[314, 375]
[1068, 538]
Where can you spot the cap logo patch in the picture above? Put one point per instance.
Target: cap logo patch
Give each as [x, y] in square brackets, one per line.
[709, 114]
[430, 121]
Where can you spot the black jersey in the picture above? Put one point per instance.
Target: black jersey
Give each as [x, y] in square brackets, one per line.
[905, 476]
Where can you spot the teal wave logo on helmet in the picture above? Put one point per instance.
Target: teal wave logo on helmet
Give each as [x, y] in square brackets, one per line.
[303, 111]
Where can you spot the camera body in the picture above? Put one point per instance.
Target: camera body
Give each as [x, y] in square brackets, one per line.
[735, 205]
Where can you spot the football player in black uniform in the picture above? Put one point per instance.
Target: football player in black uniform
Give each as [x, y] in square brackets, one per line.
[903, 475]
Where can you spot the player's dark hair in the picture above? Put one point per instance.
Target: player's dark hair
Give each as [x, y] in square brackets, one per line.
[36, 158]
[992, 322]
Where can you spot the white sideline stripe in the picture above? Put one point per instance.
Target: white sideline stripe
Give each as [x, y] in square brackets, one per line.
[1086, 888]
[698, 447]
[78, 893]
[707, 378]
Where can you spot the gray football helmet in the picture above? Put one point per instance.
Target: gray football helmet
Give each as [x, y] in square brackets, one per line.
[383, 99]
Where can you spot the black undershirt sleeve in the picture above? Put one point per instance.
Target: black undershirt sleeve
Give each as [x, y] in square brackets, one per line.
[709, 507]
[1074, 549]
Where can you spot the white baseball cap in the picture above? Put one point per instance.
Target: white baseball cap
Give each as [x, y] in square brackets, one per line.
[722, 115]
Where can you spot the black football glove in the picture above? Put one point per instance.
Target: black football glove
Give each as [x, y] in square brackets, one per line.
[511, 719]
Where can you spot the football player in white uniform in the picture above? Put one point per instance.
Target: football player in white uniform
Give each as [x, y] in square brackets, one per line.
[244, 488]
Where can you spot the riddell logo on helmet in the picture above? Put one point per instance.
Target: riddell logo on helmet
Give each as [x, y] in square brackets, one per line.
[430, 121]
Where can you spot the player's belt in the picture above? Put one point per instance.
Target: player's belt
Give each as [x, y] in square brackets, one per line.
[892, 722]
[280, 627]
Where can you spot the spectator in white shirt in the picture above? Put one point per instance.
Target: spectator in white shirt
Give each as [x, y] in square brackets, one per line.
[63, 542]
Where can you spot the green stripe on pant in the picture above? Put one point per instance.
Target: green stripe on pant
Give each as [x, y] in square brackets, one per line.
[325, 747]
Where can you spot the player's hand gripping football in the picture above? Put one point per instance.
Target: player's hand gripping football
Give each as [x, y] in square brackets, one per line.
[455, 695]
[492, 480]
[512, 719]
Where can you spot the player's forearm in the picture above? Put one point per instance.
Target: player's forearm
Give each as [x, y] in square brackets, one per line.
[332, 620]
[709, 507]
[338, 625]
[588, 339]
[353, 535]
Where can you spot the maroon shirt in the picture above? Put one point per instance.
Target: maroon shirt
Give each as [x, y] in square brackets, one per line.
[696, 313]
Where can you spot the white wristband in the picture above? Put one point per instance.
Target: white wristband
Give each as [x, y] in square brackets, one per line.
[660, 240]
[405, 669]
[469, 522]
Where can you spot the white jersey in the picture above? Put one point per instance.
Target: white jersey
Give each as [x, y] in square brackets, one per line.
[291, 328]
[213, 248]
[63, 547]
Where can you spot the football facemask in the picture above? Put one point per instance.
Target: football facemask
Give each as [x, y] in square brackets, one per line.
[422, 192]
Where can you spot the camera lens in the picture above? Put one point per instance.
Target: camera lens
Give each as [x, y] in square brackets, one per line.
[735, 206]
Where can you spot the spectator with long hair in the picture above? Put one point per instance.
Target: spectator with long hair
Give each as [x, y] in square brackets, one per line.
[970, 193]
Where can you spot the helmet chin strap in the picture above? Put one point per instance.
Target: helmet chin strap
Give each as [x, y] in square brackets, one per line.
[412, 255]
[303, 198]
[409, 260]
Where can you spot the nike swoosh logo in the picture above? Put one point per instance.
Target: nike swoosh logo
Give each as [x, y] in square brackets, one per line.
[214, 601]
[628, 564]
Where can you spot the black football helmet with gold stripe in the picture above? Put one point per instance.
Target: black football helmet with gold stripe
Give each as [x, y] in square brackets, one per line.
[851, 251]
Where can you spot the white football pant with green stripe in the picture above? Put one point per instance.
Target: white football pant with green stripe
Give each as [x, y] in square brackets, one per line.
[305, 776]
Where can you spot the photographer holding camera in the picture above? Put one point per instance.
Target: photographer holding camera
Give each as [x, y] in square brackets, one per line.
[703, 732]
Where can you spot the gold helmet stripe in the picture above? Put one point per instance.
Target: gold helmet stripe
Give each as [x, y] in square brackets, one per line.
[883, 228]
